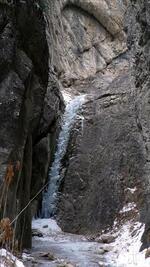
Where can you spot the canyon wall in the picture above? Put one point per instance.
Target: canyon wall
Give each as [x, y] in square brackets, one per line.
[106, 154]
[75, 46]
[138, 41]
[30, 104]
[87, 36]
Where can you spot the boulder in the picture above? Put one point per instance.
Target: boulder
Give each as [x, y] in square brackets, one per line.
[105, 238]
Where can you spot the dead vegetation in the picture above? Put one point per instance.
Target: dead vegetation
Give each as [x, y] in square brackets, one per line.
[6, 231]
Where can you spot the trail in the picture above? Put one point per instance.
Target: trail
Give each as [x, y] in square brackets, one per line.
[66, 248]
[58, 249]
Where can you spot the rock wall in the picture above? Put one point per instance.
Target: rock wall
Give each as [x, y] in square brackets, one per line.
[30, 104]
[77, 46]
[108, 154]
[87, 36]
[138, 41]
[105, 159]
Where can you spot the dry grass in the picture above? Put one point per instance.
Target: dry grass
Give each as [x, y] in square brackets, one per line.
[9, 174]
[6, 231]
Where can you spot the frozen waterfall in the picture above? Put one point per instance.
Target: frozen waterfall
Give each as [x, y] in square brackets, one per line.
[50, 196]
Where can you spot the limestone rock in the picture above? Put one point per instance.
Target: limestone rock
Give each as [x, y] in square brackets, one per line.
[101, 251]
[89, 36]
[102, 264]
[105, 238]
[49, 256]
[147, 254]
[36, 232]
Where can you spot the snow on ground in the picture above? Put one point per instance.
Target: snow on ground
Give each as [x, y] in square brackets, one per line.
[66, 248]
[132, 190]
[8, 260]
[67, 96]
[46, 226]
[128, 207]
[125, 251]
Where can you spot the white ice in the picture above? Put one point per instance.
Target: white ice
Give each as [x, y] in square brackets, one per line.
[67, 97]
[69, 117]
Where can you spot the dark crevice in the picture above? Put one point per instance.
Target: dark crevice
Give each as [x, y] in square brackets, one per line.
[50, 129]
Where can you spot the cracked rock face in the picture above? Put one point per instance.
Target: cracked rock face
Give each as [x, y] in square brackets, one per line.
[30, 104]
[87, 35]
[105, 156]
[139, 40]
[78, 46]
[106, 153]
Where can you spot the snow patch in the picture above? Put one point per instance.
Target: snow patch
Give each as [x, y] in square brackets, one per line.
[125, 251]
[7, 259]
[27, 257]
[128, 207]
[67, 97]
[132, 190]
[46, 226]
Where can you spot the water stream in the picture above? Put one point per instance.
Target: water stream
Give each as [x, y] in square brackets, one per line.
[50, 196]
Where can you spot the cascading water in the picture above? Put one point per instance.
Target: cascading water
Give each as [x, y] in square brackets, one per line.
[50, 196]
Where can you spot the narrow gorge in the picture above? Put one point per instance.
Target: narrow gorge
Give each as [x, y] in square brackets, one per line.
[75, 134]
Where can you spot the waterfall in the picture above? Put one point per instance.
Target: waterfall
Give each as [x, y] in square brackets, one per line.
[50, 196]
